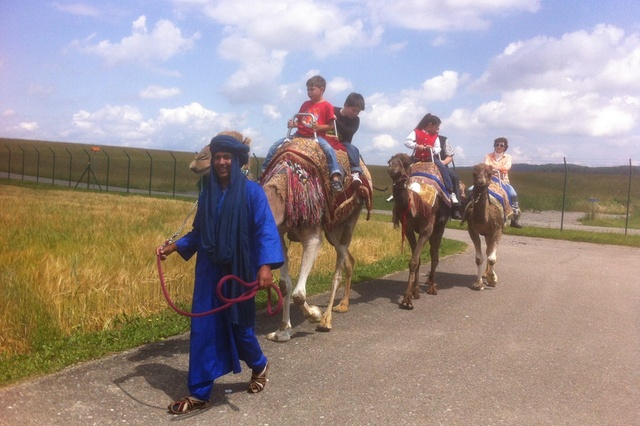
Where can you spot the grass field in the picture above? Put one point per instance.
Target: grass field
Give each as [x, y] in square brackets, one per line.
[78, 277]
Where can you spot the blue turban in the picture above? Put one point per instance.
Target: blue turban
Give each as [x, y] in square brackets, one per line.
[226, 143]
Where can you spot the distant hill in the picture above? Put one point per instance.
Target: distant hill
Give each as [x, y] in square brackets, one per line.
[572, 168]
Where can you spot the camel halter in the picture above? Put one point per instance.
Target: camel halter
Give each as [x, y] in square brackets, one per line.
[252, 287]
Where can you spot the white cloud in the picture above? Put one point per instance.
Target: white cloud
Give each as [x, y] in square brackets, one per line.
[554, 111]
[161, 44]
[339, 85]
[583, 83]
[271, 111]
[184, 128]
[384, 143]
[8, 113]
[29, 126]
[157, 92]
[448, 15]
[77, 8]
[603, 59]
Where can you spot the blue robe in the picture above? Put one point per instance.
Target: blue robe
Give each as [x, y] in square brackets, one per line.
[217, 345]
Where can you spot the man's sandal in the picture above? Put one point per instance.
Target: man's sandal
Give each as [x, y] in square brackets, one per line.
[186, 405]
[258, 381]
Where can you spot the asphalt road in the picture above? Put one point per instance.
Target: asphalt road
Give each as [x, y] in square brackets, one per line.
[557, 342]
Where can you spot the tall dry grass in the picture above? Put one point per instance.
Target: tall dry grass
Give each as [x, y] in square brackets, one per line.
[78, 261]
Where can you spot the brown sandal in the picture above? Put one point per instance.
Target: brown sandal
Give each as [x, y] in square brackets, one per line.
[258, 381]
[187, 404]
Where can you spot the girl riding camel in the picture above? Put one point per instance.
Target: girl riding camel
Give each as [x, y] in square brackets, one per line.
[424, 140]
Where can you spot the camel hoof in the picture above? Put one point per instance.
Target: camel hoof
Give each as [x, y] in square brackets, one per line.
[340, 308]
[477, 286]
[406, 306]
[490, 284]
[299, 299]
[432, 291]
[323, 328]
[279, 336]
[314, 314]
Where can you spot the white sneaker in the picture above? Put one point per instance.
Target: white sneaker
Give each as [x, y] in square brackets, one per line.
[355, 179]
[454, 199]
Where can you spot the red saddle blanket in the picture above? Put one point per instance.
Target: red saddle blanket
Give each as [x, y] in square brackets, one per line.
[309, 198]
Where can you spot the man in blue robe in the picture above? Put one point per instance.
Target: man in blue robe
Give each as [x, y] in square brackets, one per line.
[233, 233]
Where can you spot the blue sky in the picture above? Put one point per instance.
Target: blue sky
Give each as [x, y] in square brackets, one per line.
[558, 78]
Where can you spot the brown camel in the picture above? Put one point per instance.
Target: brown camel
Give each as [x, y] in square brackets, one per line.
[298, 189]
[486, 216]
[417, 216]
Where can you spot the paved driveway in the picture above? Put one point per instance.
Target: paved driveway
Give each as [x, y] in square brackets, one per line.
[556, 342]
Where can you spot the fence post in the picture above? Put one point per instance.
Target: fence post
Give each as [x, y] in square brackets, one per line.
[128, 169]
[53, 172]
[9, 169]
[108, 166]
[150, 170]
[37, 165]
[22, 149]
[626, 222]
[70, 161]
[564, 193]
[175, 163]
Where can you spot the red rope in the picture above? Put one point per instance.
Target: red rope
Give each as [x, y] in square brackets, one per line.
[252, 290]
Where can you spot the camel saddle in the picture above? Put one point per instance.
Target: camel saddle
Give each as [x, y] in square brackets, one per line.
[306, 166]
[498, 196]
[425, 180]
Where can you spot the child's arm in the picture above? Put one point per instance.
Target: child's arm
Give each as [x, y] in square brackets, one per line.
[323, 127]
[436, 146]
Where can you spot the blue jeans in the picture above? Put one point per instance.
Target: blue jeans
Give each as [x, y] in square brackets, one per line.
[444, 172]
[354, 157]
[334, 167]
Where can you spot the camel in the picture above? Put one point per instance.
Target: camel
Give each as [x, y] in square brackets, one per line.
[485, 216]
[292, 176]
[418, 216]
[298, 189]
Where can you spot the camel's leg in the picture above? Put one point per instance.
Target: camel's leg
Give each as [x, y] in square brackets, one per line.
[434, 251]
[492, 258]
[283, 333]
[349, 266]
[414, 269]
[341, 256]
[475, 238]
[311, 241]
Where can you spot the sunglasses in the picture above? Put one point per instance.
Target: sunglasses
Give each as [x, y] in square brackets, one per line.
[500, 145]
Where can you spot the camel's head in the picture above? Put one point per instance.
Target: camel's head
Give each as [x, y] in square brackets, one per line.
[482, 175]
[200, 165]
[399, 166]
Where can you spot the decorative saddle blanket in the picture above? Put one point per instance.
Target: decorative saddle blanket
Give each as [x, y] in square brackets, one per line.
[425, 180]
[309, 187]
[498, 196]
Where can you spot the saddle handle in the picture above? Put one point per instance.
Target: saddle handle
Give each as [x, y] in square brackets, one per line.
[295, 117]
[413, 155]
[497, 174]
